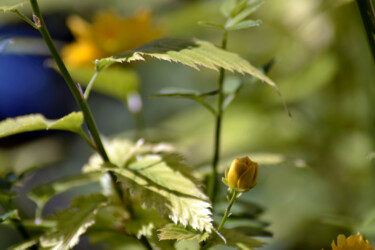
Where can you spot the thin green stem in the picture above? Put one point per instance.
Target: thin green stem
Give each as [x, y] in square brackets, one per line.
[25, 18]
[99, 147]
[90, 85]
[68, 79]
[209, 108]
[366, 8]
[146, 243]
[213, 181]
[87, 140]
[232, 200]
[79, 97]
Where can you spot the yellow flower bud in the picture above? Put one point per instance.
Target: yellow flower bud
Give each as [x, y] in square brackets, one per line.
[242, 174]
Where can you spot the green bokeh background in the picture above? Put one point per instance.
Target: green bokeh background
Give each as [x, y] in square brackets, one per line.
[325, 182]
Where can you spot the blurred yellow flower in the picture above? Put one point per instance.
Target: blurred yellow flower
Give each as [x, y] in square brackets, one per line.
[353, 242]
[242, 174]
[107, 35]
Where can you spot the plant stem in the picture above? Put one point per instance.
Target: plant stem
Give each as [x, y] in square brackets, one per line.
[82, 103]
[146, 243]
[233, 198]
[213, 182]
[89, 86]
[366, 8]
[68, 79]
[25, 18]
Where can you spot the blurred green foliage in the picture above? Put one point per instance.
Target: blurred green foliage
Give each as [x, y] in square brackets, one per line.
[323, 67]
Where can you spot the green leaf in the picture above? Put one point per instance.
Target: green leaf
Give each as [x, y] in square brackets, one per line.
[240, 6]
[114, 240]
[237, 239]
[17, 162]
[73, 222]
[232, 87]
[211, 25]
[28, 123]
[191, 52]
[114, 82]
[25, 245]
[242, 15]
[190, 94]
[42, 193]
[245, 24]
[9, 5]
[158, 180]
[179, 232]
[227, 7]
[143, 222]
[10, 215]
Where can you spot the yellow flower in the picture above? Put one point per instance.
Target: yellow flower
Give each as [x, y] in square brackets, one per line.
[107, 35]
[242, 174]
[353, 242]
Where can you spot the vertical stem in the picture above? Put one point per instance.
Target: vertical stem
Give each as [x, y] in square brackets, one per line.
[68, 79]
[78, 97]
[366, 8]
[233, 198]
[213, 181]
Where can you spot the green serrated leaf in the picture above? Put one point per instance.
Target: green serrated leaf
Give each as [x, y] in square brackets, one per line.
[28, 123]
[211, 25]
[159, 182]
[245, 24]
[9, 5]
[73, 222]
[242, 15]
[10, 215]
[42, 193]
[237, 239]
[191, 52]
[179, 232]
[113, 82]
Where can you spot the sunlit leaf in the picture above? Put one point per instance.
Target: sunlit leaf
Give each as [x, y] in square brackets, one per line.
[9, 5]
[191, 52]
[10, 215]
[27, 123]
[73, 222]
[42, 193]
[114, 82]
[180, 232]
[160, 182]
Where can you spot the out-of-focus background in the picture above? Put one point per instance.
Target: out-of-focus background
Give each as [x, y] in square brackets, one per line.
[317, 177]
